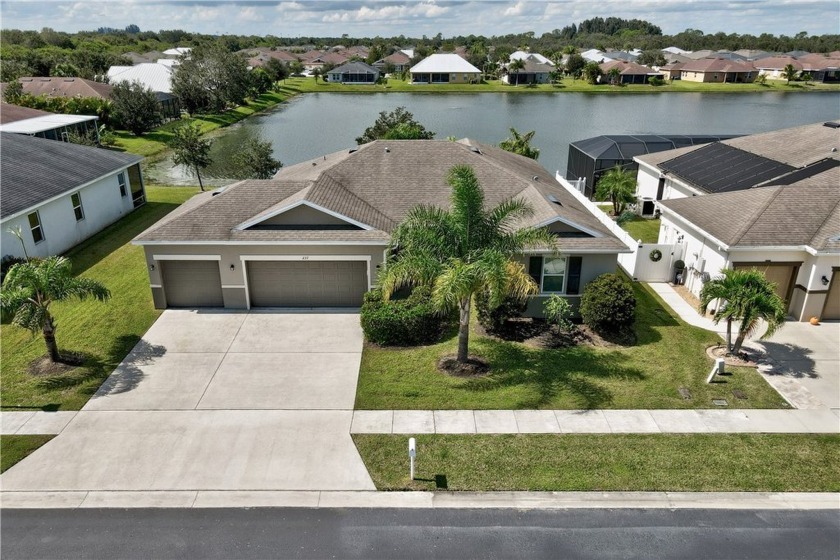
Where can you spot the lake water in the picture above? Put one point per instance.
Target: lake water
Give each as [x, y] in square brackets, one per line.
[315, 124]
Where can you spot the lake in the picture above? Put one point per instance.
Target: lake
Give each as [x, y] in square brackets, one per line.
[315, 124]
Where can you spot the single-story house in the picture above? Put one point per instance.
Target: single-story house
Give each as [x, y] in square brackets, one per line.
[718, 70]
[532, 73]
[59, 194]
[398, 60]
[154, 76]
[353, 73]
[595, 55]
[444, 69]
[790, 232]
[316, 234]
[738, 163]
[32, 122]
[536, 57]
[629, 72]
[65, 87]
[723, 54]
[773, 66]
[672, 70]
[823, 68]
[316, 59]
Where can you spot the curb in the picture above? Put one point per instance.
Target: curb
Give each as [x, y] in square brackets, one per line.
[193, 499]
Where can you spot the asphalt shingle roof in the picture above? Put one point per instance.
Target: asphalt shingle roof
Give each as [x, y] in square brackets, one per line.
[33, 170]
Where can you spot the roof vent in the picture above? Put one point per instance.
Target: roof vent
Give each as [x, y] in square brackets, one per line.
[475, 150]
[314, 163]
[536, 178]
[553, 199]
[833, 150]
[831, 124]
[387, 150]
[353, 150]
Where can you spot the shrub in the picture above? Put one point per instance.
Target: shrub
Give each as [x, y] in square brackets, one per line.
[494, 319]
[608, 304]
[656, 81]
[558, 312]
[401, 322]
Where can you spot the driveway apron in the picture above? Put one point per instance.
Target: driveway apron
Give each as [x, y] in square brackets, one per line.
[217, 400]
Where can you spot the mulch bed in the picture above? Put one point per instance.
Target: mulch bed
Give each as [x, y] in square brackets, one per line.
[474, 366]
[44, 367]
[743, 359]
[536, 333]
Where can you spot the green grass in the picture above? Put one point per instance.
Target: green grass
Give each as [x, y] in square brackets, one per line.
[14, 449]
[572, 462]
[669, 354]
[642, 228]
[308, 85]
[104, 332]
[158, 140]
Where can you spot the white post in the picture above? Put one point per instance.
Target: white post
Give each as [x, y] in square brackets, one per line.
[412, 452]
[717, 369]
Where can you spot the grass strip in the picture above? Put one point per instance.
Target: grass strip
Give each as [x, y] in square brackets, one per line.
[14, 449]
[574, 462]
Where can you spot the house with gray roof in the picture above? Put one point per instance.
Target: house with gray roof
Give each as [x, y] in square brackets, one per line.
[59, 194]
[353, 73]
[316, 234]
[790, 231]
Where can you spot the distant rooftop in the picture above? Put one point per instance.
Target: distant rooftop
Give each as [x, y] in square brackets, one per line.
[45, 122]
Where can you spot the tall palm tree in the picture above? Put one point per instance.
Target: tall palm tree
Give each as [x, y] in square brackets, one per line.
[746, 296]
[789, 72]
[463, 250]
[30, 287]
[619, 187]
[516, 67]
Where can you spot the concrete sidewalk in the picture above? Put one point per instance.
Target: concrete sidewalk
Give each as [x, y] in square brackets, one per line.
[822, 421]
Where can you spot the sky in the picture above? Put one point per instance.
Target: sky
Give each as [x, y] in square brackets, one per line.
[387, 18]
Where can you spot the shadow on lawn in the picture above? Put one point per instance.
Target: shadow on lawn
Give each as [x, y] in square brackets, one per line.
[650, 316]
[552, 372]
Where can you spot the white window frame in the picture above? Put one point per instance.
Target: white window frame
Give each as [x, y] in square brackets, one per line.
[123, 184]
[37, 226]
[543, 275]
[78, 209]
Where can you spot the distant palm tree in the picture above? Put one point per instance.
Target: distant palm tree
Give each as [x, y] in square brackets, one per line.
[619, 187]
[789, 72]
[516, 66]
[520, 144]
[463, 250]
[30, 287]
[746, 296]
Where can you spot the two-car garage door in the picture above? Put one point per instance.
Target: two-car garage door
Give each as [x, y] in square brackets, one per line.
[307, 283]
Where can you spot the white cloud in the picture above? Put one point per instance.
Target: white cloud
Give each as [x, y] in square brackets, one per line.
[514, 10]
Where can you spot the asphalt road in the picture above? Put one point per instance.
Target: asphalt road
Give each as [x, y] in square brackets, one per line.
[419, 533]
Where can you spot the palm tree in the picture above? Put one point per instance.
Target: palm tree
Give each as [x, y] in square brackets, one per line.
[520, 144]
[619, 187]
[789, 73]
[463, 250]
[30, 287]
[517, 66]
[746, 296]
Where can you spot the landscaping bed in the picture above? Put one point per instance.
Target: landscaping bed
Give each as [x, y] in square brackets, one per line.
[572, 462]
[667, 362]
[101, 332]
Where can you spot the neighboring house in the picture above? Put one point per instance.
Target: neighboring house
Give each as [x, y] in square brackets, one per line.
[154, 76]
[138, 58]
[316, 234]
[177, 51]
[65, 87]
[718, 70]
[316, 60]
[353, 73]
[791, 233]
[675, 50]
[399, 60]
[823, 68]
[738, 163]
[774, 66]
[594, 55]
[706, 53]
[444, 69]
[629, 72]
[533, 73]
[672, 71]
[536, 57]
[754, 54]
[32, 122]
[622, 55]
[59, 194]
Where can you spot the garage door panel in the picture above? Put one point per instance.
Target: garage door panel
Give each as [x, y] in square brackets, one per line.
[192, 284]
[832, 302]
[307, 283]
[779, 274]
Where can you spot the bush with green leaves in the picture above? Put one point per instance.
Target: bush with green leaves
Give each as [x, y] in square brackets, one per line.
[402, 322]
[656, 81]
[558, 312]
[608, 304]
[494, 319]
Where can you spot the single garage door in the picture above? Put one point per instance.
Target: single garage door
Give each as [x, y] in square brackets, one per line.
[307, 283]
[192, 284]
[832, 304]
[779, 274]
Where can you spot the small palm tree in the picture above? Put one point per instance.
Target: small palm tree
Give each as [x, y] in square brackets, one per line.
[516, 67]
[789, 73]
[30, 287]
[463, 250]
[619, 187]
[746, 296]
[520, 144]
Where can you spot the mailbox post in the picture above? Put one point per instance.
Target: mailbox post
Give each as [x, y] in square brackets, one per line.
[412, 453]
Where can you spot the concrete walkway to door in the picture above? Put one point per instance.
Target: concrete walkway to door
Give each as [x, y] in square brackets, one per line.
[216, 400]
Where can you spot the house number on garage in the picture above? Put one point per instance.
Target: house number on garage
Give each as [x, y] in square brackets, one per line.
[304, 258]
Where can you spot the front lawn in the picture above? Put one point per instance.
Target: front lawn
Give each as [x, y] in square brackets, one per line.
[642, 228]
[104, 332]
[572, 462]
[669, 355]
[14, 449]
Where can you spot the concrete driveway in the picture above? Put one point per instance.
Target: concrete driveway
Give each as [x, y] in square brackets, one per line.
[221, 400]
[803, 363]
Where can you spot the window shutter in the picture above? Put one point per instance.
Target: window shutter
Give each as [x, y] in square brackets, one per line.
[535, 269]
[573, 283]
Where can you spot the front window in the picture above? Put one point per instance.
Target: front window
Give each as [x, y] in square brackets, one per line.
[554, 275]
[121, 179]
[35, 227]
[76, 199]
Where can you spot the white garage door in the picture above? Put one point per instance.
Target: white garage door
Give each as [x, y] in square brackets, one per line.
[192, 284]
[307, 283]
